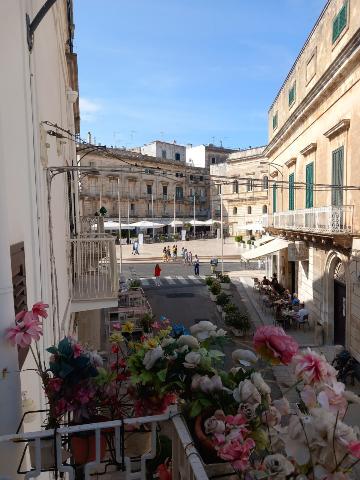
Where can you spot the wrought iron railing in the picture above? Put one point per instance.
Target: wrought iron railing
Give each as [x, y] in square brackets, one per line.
[329, 219]
[94, 267]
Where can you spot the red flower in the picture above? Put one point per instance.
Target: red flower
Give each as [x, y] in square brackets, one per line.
[38, 310]
[122, 363]
[122, 376]
[54, 384]
[25, 331]
[354, 449]
[77, 350]
[115, 348]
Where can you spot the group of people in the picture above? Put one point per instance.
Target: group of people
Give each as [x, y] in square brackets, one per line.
[189, 261]
[170, 254]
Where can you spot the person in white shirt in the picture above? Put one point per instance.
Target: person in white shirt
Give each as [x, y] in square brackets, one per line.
[302, 313]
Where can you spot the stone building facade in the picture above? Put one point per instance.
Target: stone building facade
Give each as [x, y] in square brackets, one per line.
[314, 140]
[205, 155]
[150, 187]
[242, 181]
[163, 150]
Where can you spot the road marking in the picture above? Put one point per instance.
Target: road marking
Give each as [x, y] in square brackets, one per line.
[181, 279]
[194, 279]
[170, 280]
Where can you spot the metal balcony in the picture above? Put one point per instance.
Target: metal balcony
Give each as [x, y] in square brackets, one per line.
[186, 462]
[94, 271]
[326, 220]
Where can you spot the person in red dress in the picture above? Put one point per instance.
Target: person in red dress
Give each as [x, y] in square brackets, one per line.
[157, 273]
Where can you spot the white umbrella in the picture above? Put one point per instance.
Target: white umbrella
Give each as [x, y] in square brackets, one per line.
[177, 223]
[146, 224]
[210, 222]
[111, 225]
[254, 226]
[198, 223]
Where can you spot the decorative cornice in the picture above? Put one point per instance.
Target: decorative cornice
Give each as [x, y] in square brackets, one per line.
[338, 128]
[327, 79]
[274, 174]
[309, 149]
[291, 162]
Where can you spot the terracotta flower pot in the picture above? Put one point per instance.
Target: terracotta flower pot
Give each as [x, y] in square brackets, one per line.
[83, 447]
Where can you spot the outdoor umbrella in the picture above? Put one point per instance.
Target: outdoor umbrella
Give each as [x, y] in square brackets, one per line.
[147, 224]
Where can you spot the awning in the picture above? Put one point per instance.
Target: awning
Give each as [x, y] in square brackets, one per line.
[146, 224]
[177, 223]
[264, 239]
[267, 249]
[198, 223]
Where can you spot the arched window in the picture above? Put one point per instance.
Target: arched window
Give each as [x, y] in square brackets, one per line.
[264, 209]
[235, 211]
[265, 182]
[249, 210]
[236, 187]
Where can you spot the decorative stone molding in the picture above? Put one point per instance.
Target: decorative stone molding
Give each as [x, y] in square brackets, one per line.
[309, 149]
[337, 129]
[291, 162]
[274, 174]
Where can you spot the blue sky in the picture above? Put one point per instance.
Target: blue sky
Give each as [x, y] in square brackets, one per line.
[194, 71]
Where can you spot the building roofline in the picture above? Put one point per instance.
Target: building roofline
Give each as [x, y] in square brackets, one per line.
[300, 53]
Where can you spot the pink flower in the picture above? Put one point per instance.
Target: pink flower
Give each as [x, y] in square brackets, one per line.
[308, 396]
[333, 400]
[354, 449]
[274, 345]
[38, 310]
[313, 368]
[25, 331]
[84, 396]
[116, 326]
[55, 384]
[156, 325]
[236, 420]
[237, 452]
[77, 350]
[61, 407]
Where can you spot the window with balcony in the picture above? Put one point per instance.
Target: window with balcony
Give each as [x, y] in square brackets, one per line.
[265, 183]
[275, 121]
[249, 210]
[163, 154]
[249, 185]
[201, 178]
[164, 190]
[264, 209]
[274, 192]
[179, 193]
[213, 160]
[340, 21]
[236, 187]
[309, 189]
[177, 156]
[292, 94]
[148, 207]
[132, 208]
[292, 191]
[218, 188]
[235, 211]
[337, 192]
[149, 189]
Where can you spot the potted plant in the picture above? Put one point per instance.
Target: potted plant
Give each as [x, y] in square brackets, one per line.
[238, 240]
[225, 281]
[221, 300]
[209, 281]
[228, 309]
[238, 322]
[134, 284]
[215, 289]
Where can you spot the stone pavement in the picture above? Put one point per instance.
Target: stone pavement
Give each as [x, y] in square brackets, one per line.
[205, 249]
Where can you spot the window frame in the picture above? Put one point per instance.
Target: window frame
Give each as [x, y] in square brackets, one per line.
[149, 187]
[337, 34]
[177, 156]
[275, 121]
[292, 89]
[309, 186]
[235, 211]
[292, 191]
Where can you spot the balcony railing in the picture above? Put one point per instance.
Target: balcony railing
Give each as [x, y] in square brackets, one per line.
[186, 463]
[94, 267]
[330, 219]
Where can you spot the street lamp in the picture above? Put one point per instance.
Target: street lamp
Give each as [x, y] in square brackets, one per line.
[194, 217]
[119, 207]
[174, 215]
[152, 214]
[222, 231]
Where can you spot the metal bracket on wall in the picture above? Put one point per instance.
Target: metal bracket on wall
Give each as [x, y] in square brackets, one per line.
[31, 26]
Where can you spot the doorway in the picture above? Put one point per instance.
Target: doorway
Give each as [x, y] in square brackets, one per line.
[339, 313]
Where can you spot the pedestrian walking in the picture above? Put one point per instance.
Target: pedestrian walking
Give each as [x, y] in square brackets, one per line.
[190, 258]
[168, 253]
[214, 263]
[174, 253]
[182, 253]
[157, 273]
[176, 250]
[196, 266]
[185, 256]
[164, 255]
[136, 247]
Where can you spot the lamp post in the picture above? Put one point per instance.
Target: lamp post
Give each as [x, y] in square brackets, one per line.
[194, 217]
[222, 232]
[152, 215]
[174, 215]
[128, 220]
[119, 207]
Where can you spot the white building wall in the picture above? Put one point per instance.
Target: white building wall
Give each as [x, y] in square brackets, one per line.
[196, 156]
[155, 149]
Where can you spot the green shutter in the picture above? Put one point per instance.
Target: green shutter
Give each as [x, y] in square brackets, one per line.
[309, 199]
[340, 22]
[292, 94]
[274, 197]
[275, 121]
[337, 177]
[292, 191]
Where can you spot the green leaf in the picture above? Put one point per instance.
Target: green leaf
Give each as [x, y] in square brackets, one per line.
[216, 354]
[52, 350]
[162, 375]
[195, 409]
[145, 377]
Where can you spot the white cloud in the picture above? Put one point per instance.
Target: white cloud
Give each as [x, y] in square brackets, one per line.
[89, 109]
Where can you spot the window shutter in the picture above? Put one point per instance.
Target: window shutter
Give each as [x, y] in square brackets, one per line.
[309, 199]
[337, 177]
[291, 191]
[274, 197]
[342, 18]
[335, 29]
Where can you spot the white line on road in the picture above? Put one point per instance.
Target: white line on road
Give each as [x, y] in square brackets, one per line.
[181, 279]
[194, 279]
[170, 280]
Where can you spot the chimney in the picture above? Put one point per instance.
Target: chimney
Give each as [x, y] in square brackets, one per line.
[89, 137]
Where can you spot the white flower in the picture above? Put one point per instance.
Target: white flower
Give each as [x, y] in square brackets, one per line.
[152, 356]
[244, 357]
[213, 425]
[167, 341]
[189, 340]
[282, 405]
[260, 384]
[206, 384]
[192, 360]
[96, 359]
[218, 333]
[202, 330]
[279, 465]
[351, 397]
[246, 392]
